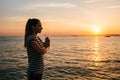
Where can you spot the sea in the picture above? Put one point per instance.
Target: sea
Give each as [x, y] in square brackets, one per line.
[68, 58]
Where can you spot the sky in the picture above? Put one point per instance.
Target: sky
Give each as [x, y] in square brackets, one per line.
[61, 17]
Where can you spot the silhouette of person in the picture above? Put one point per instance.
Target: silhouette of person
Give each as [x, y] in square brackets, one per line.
[36, 49]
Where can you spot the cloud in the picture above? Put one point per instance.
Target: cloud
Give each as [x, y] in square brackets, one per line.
[50, 5]
[92, 1]
[113, 7]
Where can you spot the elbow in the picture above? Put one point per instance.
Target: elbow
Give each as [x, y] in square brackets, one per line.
[42, 51]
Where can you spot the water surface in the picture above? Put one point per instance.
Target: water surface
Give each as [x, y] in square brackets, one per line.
[69, 58]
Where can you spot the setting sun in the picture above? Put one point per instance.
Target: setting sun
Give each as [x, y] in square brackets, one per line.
[96, 30]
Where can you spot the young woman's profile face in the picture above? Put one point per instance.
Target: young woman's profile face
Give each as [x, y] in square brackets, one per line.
[38, 28]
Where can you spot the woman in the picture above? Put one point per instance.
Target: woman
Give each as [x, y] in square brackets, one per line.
[35, 49]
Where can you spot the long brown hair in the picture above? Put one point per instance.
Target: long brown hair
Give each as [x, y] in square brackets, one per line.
[28, 28]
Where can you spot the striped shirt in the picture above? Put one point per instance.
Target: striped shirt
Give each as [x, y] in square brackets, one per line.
[35, 59]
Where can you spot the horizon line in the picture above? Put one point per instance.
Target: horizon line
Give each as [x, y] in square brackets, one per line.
[63, 35]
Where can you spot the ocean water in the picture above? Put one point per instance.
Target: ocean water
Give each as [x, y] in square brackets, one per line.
[69, 58]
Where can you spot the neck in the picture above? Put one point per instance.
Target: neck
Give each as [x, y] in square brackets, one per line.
[35, 34]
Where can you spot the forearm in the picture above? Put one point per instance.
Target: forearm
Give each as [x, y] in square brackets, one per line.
[39, 49]
[42, 51]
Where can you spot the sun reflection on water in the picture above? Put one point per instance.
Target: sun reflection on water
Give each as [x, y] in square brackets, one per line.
[96, 54]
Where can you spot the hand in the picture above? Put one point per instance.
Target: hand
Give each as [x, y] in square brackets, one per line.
[47, 39]
[47, 42]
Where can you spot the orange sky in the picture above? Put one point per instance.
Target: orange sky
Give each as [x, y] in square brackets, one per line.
[79, 17]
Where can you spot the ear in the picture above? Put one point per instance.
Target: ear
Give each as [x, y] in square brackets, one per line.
[33, 27]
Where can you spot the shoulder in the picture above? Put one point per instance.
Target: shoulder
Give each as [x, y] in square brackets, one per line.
[30, 38]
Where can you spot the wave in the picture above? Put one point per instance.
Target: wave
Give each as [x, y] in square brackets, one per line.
[105, 61]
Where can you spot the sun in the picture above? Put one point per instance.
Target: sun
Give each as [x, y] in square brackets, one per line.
[96, 30]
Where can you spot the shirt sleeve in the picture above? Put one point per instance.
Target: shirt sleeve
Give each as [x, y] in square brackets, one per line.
[29, 39]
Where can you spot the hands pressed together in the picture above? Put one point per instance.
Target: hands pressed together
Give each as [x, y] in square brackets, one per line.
[47, 42]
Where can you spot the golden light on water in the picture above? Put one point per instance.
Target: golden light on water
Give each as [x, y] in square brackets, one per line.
[96, 55]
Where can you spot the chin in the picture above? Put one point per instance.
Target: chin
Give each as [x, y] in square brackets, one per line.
[39, 32]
